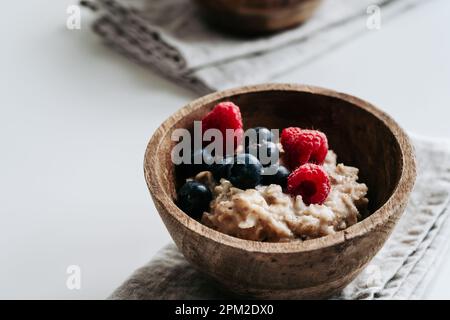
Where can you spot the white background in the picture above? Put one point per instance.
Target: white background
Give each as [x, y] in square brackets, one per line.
[75, 119]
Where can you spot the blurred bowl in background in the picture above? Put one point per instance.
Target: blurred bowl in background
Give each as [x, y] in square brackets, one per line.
[255, 17]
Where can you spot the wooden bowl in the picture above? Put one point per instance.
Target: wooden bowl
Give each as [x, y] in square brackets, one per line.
[257, 17]
[362, 135]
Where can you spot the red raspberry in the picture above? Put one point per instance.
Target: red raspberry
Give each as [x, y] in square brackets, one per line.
[311, 182]
[302, 146]
[225, 115]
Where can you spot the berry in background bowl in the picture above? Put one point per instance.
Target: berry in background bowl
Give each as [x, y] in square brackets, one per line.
[315, 267]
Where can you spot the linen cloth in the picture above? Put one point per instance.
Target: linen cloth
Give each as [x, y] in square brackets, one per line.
[170, 37]
[402, 269]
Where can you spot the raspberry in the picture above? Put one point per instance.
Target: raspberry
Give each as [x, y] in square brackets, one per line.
[302, 146]
[225, 115]
[311, 182]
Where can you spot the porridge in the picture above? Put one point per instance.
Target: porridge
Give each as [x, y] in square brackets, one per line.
[307, 195]
[267, 214]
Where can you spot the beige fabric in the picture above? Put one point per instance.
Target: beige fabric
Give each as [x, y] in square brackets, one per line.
[168, 36]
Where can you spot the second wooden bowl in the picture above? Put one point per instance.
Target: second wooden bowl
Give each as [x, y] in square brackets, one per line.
[251, 17]
[362, 136]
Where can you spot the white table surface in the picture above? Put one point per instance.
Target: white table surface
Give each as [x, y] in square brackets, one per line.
[75, 119]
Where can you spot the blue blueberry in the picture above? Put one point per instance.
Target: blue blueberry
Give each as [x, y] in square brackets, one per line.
[279, 177]
[263, 135]
[201, 160]
[260, 135]
[264, 152]
[194, 198]
[221, 169]
[245, 173]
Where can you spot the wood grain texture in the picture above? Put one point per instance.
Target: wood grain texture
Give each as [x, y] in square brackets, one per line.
[362, 136]
[257, 17]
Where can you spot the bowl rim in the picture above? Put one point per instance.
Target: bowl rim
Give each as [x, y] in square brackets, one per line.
[381, 216]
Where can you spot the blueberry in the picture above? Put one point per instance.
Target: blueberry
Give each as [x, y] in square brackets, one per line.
[245, 173]
[201, 160]
[263, 134]
[260, 135]
[264, 152]
[221, 169]
[279, 177]
[194, 198]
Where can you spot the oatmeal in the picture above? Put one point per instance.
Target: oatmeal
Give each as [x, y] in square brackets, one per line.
[265, 213]
[269, 189]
